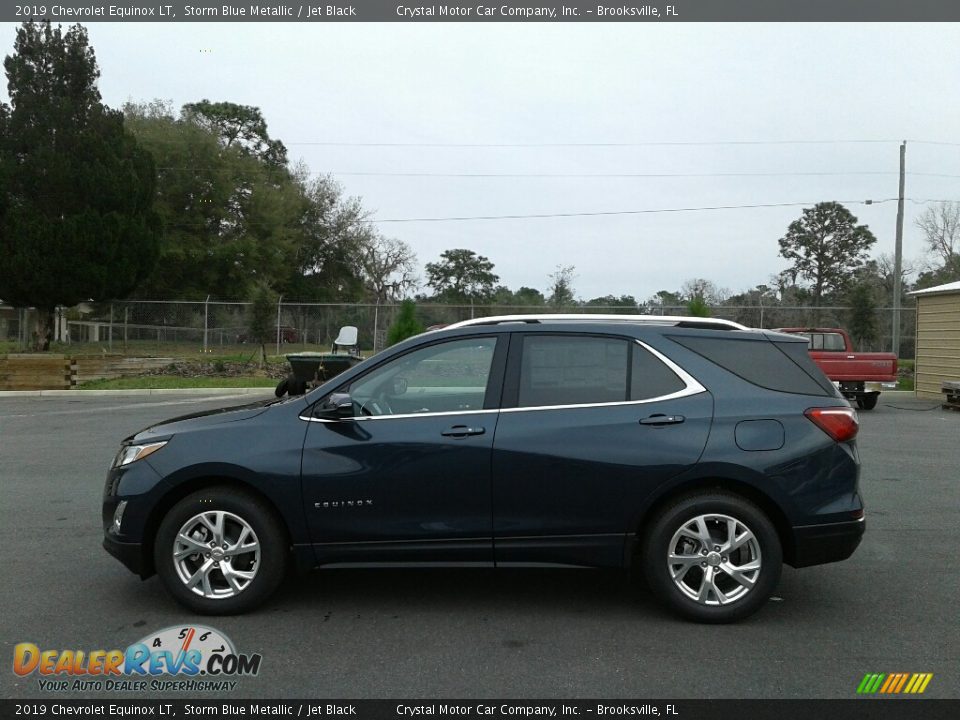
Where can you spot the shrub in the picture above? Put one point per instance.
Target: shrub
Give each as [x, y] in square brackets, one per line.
[406, 324]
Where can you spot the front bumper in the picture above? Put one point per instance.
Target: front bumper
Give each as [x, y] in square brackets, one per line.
[130, 554]
[139, 486]
[820, 544]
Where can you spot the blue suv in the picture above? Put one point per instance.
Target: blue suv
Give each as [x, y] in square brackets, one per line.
[700, 452]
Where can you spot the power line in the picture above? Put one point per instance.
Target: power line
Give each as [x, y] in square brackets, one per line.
[649, 143]
[636, 175]
[618, 212]
[609, 175]
[600, 213]
[353, 173]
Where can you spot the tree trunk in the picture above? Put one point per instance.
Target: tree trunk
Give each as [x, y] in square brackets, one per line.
[43, 329]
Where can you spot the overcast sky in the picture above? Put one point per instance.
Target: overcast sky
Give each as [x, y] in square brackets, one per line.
[582, 83]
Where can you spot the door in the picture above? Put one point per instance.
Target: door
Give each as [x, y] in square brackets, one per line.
[589, 425]
[407, 479]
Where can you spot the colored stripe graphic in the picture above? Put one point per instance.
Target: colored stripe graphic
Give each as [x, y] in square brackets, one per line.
[894, 683]
[903, 680]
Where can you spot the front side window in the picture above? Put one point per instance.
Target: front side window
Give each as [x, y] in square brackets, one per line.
[558, 370]
[446, 377]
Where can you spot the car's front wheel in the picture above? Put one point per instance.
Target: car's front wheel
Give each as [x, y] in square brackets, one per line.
[220, 551]
[712, 557]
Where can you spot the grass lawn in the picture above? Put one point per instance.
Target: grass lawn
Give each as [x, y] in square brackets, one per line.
[163, 382]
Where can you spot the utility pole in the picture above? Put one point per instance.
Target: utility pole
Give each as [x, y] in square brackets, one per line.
[898, 252]
[279, 307]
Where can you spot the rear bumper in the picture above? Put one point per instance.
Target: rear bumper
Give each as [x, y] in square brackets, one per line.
[130, 554]
[819, 544]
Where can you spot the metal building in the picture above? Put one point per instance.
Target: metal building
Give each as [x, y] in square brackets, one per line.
[938, 338]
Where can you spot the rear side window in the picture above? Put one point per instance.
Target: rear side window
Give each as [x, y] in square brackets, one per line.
[650, 378]
[759, 362]
[801, 356]
[564, 370]
[829, 342]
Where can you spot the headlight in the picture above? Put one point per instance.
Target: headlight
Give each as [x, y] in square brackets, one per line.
[132, 453]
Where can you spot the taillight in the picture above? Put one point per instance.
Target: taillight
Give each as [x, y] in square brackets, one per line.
[840, 423]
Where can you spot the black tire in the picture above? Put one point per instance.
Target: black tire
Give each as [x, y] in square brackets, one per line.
[868, 401]
[295, 386]
[667, 525]
[268, 568]
[281, 388]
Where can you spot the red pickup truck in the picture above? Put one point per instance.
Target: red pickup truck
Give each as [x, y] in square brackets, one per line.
[860, 376]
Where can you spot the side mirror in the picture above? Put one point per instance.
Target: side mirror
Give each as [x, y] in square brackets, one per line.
[338, 406]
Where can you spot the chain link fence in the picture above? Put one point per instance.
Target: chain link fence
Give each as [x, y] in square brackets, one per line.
[173, 328]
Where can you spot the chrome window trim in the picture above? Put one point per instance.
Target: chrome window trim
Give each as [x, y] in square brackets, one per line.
[689, 380]
[672, 396]
[400, 416]
[692, 387]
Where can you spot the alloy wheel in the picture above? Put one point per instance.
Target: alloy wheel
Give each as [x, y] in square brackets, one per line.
[714, 559]
[216, 554]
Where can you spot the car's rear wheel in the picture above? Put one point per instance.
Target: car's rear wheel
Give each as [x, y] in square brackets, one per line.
[220, 551]
[868, 401]
[712, 557]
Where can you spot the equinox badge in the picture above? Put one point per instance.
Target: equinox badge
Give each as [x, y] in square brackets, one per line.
[343, 503]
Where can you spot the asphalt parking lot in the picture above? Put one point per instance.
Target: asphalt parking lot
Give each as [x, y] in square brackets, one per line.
[893, 607]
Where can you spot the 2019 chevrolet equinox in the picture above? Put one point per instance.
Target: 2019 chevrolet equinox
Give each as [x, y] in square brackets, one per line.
[699, 451]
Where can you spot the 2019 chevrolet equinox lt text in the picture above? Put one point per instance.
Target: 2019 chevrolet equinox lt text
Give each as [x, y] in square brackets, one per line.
[701, 452]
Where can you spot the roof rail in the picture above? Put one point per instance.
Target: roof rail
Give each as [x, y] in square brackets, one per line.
[674, 320]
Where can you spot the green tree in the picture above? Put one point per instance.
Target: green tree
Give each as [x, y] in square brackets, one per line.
[461, 276]
[406, 324]
[528, 296]
[862, 315]
[612, 301]
[703, 289]
[561, 289]
[328, 262]
[525, 296]
[76, 190]
[826, 247]
[756, 307]
[233, 219]
[240, 126]
[697, 307]
[663, 299]
[938, 276]
[260, 324]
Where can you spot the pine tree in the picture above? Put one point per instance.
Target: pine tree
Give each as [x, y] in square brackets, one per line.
[406, 324]
[76, 194]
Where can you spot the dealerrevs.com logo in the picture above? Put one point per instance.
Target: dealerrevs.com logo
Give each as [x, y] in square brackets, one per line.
[191, 658]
